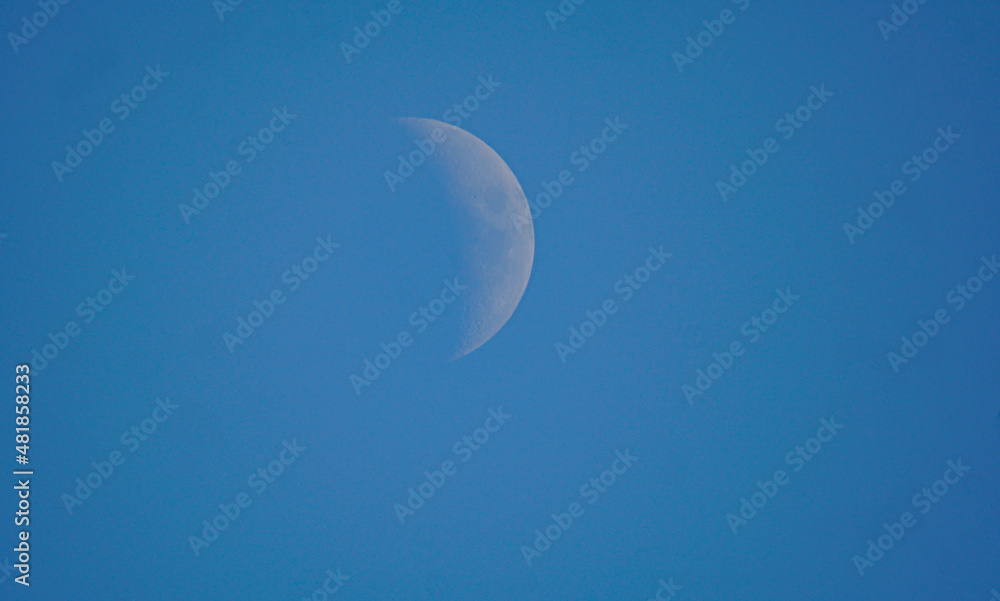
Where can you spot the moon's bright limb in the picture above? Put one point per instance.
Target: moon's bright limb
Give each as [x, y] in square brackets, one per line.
[497, 238]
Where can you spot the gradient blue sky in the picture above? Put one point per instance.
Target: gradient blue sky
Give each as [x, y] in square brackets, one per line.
[655, 185]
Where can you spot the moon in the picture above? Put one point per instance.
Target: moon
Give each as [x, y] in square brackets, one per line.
[496, 244]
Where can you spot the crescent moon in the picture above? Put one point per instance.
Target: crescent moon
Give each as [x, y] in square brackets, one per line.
[497, 237]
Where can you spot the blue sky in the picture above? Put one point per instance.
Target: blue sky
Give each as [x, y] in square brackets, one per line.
[322, 176]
